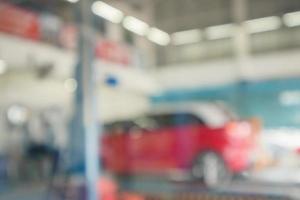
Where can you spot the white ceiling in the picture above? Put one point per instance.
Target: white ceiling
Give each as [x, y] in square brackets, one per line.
[177, 15]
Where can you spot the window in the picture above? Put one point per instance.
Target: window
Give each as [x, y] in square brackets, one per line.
[177, 119]
[186, 119]
[147, 122]
[118, 127]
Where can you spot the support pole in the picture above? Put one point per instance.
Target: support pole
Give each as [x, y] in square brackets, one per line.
[241, 38]
[84, 137]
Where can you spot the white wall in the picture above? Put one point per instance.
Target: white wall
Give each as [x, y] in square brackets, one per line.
[282, 64]
[40, 94]
[193, 75]
[20, 85]
[23, 54]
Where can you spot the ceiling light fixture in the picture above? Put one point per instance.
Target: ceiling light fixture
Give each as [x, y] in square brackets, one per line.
[72, 1]
[135, 25]
[263, 24]
[159, 37]
[186, 37]
[292, 19]
[107, 12]
[219, 32]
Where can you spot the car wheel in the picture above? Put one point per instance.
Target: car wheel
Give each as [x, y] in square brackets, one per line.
[211, 169]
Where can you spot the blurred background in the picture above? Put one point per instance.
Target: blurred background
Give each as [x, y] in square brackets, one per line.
[149, 99]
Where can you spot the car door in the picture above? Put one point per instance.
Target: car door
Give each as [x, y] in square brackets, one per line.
[162, 142]
[139, 144]
[188, 130]
[151, 145]
[114, 148]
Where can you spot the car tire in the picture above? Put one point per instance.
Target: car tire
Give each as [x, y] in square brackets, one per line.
[211, 169]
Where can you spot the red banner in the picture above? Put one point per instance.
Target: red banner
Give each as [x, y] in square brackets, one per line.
[18, 21]
[26, 24]
[68, 36]
[110, 51]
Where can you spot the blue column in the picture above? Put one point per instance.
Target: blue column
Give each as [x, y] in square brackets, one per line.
[84, 133]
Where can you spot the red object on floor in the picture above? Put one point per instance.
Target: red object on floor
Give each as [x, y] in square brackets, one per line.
[131, 196]
[107, 189]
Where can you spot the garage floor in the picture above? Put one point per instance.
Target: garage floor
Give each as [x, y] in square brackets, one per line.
[25, 192]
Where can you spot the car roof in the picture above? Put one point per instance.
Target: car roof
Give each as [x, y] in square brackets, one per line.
[214, 114]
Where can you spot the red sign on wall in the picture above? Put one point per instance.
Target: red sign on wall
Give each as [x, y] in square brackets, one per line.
[110, 51]
[27, 24]
[68, 36]
[18, 21]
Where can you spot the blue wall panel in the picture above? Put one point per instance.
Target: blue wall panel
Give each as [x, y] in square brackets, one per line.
[248, 99]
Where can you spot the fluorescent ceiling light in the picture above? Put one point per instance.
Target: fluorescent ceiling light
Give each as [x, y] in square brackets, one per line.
[158, 36]
[263, 24]
[219, 32]
[187, 37]
[3, 66]
[292, 19]
[107, 12]
[135, 25]
[72, 1]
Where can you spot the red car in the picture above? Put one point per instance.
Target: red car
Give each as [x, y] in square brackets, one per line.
[203, 140]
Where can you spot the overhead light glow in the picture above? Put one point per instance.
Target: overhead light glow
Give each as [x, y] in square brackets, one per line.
[263, 24]
[70, 85]
[159, 37]
[17, 114]
[292, 19]
[72, 1]
[135, 25]
[3, 66]
[187, 37]
[219, 32]
[107, 12]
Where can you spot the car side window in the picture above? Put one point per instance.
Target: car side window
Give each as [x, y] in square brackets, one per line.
[147, 123]
[117, 128]
[169, 120]
[152, 122]
[120, 127]
[165, 120]
[186, 119]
